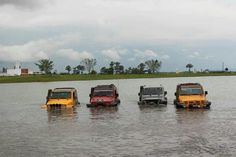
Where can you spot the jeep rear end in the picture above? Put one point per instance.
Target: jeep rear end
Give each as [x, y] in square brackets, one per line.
[104, 95]
[191, 95]
[152, 95]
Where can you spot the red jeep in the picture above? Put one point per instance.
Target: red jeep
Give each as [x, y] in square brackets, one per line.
[104, 95]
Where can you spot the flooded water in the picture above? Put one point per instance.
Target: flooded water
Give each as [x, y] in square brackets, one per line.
[126, 130]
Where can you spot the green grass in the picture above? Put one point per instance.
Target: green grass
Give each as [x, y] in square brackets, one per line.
[52, 78]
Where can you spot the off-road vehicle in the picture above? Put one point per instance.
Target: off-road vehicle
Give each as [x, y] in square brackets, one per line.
[62, 97]
[191, 95]
[152, 95]
[104, 95]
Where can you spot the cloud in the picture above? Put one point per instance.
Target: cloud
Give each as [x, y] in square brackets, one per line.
[25, 53]
[114, 54]
[145, 54]
[22, 3]
[194, 55]
[19, 53]
[74, 55]
[131, 59]
[165, 57]
[43, 48]
[157, 20]
[149, 54]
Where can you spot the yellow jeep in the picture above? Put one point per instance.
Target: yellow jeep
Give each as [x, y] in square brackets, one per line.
[62, 98]
[191, 95]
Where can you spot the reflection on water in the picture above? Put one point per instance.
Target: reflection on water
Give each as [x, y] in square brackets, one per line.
[56, 113]
[103, 112]
[194, 116]
[152, 107]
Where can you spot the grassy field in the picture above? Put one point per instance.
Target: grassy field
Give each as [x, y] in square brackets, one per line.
[52, 78]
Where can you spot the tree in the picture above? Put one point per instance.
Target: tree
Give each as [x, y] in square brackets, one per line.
[141, 68]
[80, 68]
[189, 66]
[4, 70]
[153, 65]
[117, 67]
[45, 65]
[93, 72]
[121, 69]
[111, 69]
[68, 68]
[89, 64]
[104, 70]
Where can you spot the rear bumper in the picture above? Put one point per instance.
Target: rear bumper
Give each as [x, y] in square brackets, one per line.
[207, 104]
[154, 102]
[105, 104]
[58, 106]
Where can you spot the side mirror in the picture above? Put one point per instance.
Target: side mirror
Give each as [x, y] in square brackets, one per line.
[165, 93]
[138, 94]
[90, 95]
[175, 94]
[206, 92]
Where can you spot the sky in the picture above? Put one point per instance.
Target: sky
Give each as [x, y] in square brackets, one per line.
[176, 32]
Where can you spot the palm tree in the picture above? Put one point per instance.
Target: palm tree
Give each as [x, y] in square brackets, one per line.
[45, 65]
[153, 65]
[189, 66]
[68, 68]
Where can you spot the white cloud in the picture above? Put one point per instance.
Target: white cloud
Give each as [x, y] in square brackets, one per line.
[165, 57]
[20, 53]
[43, 48]
[29, 4]
[114, 54]
[131, 59]
[208, 57]
[149, 54]
[74, 55]
[145, 54]
[194, 55]
[134, 19]
[27, 52]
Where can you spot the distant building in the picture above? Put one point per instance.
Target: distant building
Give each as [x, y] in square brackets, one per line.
[17, 71]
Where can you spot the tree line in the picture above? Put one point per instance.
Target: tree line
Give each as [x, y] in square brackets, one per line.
[88, 64]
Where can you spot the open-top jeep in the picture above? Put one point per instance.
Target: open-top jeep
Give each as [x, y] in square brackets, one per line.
[152, 95]
[191, 95]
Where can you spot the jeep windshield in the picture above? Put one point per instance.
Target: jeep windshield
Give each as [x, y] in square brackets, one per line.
[103, 93]
[60, 95]
[191, 91]
[152, 91]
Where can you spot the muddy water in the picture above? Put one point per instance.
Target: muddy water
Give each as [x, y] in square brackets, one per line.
[127, 130]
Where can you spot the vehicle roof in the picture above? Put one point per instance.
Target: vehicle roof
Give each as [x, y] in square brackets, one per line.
[105, 87]
[152, 87]
[189, 84]
[64, 89]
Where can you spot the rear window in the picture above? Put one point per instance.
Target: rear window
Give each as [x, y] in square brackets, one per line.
[191, 91]
[153, 91]
[103, 93]
[60, 95]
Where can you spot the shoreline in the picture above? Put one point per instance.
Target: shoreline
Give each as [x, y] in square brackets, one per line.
[88, 77]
